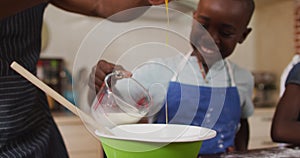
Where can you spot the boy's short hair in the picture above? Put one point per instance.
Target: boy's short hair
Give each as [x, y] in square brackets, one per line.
[250, 5]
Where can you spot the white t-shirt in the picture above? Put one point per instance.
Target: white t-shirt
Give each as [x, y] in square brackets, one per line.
[161, 71]
[295, 60]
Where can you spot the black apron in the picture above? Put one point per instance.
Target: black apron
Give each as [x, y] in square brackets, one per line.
[27, 128]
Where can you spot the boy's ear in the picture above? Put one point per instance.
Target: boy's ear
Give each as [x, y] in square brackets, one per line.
[157, 2]
[194, 13]
[245, 34]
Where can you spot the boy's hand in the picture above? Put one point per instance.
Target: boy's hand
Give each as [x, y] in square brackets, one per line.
[230, 149]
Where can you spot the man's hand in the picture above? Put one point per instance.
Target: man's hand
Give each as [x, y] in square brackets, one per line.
[98, 74]
[101, 70]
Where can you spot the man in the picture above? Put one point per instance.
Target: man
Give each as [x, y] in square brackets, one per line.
[27, 128]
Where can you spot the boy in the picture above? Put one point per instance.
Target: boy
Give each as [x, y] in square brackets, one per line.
[226, 21]
[285, 126]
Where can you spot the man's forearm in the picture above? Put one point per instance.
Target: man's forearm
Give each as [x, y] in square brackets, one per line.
[11, 7]
[102, 8]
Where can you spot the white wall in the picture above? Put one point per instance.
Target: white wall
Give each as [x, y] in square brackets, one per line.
[274, 35]
[65, 33]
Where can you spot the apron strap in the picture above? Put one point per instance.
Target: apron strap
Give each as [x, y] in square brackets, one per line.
[186, 58]
[229, 69]
[182, 65]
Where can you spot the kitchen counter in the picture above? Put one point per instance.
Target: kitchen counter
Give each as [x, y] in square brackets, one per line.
[79, 142]
[267, 152]
[63, 118]
[275, 152]
[260, 128]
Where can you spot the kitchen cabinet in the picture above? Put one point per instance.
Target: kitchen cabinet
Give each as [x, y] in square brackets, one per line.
[260, 128]
[79, 142]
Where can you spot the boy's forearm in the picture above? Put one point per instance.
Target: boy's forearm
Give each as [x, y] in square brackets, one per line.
[242, 136]
[11, 7]
[289, 135]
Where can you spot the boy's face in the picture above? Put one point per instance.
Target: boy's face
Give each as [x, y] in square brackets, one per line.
[225, 20]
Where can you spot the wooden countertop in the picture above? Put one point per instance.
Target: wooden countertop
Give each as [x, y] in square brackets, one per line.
[65, 118]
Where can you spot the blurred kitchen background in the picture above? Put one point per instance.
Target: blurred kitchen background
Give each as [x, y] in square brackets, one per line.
[266, 52]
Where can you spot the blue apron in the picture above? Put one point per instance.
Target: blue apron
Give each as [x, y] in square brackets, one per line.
[217, 108]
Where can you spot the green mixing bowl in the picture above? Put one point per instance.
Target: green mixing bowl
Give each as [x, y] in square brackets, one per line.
[155, 141]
